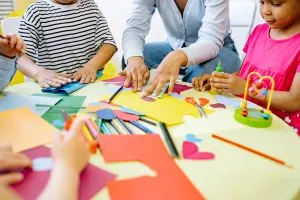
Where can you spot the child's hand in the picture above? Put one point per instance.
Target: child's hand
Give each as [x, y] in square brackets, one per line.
[228, 83]
[72, 151]
[47, 78]
[86, 74]
[10, 161]
[202, 83]
[11, 46]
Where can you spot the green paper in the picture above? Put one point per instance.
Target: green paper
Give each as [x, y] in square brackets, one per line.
[71, 104]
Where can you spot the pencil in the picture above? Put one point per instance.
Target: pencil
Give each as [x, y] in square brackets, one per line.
[251, 150]
[115, 94]
[147, 121]
[168, 139]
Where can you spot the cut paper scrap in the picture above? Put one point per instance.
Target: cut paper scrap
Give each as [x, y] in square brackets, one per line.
[149, 99]
[233, 101]
[69, 104]
[192, 138]
[92, 179]
[12, 101]
[190, 151]
[119, 80]
[169, 183]
[166, 109]
[218, 105]
[203, 101]
[24, 129]
[68, 88]
[109, 71]
[221, 120]
[178, 88]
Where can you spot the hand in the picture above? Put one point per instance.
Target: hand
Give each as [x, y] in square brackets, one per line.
[228, 83]
[47, 78]
[167, 71]
[72, 151]
[10, 161]
[202, 83]
[11, 46]
[86, 74]
[137, 72]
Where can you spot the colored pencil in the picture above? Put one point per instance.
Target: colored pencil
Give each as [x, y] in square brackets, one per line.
[115, 94]
[169, 140]
[93, 132]
[148, 121]
[251, 150]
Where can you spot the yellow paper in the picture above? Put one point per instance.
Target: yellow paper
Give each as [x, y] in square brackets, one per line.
[24, 129]
[108, 72]
[166, 109]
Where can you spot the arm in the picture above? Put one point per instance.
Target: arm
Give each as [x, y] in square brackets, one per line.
[7, 71]
[211, 34]
[64, 181]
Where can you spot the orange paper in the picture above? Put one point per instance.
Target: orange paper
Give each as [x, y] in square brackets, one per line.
[170, 182]
[24, 129]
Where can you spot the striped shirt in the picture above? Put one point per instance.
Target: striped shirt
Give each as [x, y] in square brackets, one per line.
[63, 38]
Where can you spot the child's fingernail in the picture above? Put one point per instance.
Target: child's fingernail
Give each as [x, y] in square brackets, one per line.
[19, 177]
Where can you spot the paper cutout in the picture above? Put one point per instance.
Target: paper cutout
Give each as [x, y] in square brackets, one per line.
[233, 101]
[68, 88]
[170, 182]
[126, 116]
[42, 164]
[119, 80]
[166, 109]
[109, 71]
[24, 129]
[190, 151]
[178, 88]
[149, 99]
[178, 96]
[106, 114]
[192, 138]
[129, 111]
[218, 105]
[203, 101]
[92, 179]
[58, 123]
[13, 100]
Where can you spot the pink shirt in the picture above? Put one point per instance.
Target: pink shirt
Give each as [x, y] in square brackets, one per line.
[277, 58]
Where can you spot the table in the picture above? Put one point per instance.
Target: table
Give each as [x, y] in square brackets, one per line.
[234, 173]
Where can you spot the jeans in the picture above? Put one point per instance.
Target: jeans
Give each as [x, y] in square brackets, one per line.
[155, 52]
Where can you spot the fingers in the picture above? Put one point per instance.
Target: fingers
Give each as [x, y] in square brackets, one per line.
[221, 75]
[171, 86]
[134, 79]
[11, 178]
[76, 127]
[5, 148]
[151, 88]
[146, 76]
[159, 86]
[11, 161]
[58, 137]
[127, 79]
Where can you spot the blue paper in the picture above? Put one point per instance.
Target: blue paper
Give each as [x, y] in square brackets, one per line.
[69, 88]
[233, 101]
[192, 138]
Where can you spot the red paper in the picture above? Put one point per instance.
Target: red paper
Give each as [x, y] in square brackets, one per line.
[170, 182]
[178, 88]
[190, 151]
[92, 179]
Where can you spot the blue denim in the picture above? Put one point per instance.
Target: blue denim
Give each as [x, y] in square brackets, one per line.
[155, 52]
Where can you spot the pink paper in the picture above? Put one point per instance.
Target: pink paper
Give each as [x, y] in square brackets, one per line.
[92, 179]
[218, 105]
[190, 151]
[178, 88]
[119, 80]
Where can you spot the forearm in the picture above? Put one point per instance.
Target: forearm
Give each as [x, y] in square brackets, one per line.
[286, 101]
[28, 67]
[104, 54]
[63, 184]
[7, 71]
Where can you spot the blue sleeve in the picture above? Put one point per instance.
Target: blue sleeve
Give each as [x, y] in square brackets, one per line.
[7, 71]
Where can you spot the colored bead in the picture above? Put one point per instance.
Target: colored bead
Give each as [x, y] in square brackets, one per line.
[266, 116]
[264, 92]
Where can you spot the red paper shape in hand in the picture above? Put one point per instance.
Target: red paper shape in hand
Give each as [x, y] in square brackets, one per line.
[170, 182]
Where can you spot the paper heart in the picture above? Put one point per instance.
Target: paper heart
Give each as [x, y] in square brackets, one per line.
[192, 138]
[190, 151]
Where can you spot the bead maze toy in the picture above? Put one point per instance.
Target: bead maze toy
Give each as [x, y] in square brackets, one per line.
[256, 117]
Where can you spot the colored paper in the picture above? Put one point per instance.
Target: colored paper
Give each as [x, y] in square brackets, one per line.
[203, 101]
[233, 101]
[69, 104]
[12, 101]
[92, 179]
[190, 151]
[68, 88]
[218, 105]
[24, 129]
[166, 109]
[178, 88]
[119, 80]
[129, 111]
[149, 99]
[169, 183]
[192, 138]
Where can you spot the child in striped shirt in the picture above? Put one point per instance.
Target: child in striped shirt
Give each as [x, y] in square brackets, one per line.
[67, 40]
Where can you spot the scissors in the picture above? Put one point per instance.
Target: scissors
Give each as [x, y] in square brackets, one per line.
[192, 100]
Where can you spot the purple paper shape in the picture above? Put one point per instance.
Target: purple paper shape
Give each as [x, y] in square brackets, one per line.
[92, 179]
[178, 88]
[149, 99]
[218, 105]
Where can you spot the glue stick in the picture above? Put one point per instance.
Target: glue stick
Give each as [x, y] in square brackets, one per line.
[219, 68]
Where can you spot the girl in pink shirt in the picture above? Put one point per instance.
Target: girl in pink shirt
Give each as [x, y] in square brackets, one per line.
[272, 49]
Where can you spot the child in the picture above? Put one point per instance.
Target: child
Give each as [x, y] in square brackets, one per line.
[272, 49]
[66, 40]
[10, 47]
[64, 180]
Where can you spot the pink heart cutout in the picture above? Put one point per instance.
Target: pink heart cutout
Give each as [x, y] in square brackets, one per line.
[190, 151]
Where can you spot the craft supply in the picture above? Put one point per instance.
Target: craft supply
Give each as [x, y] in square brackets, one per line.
[105, 129]
[147, 121]
[60, 107]
[115, 94]
[91, 128]
[108, 115]
[169, 139]
[251, 150]
[219, 68]
[191, 151]
[192, 101]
